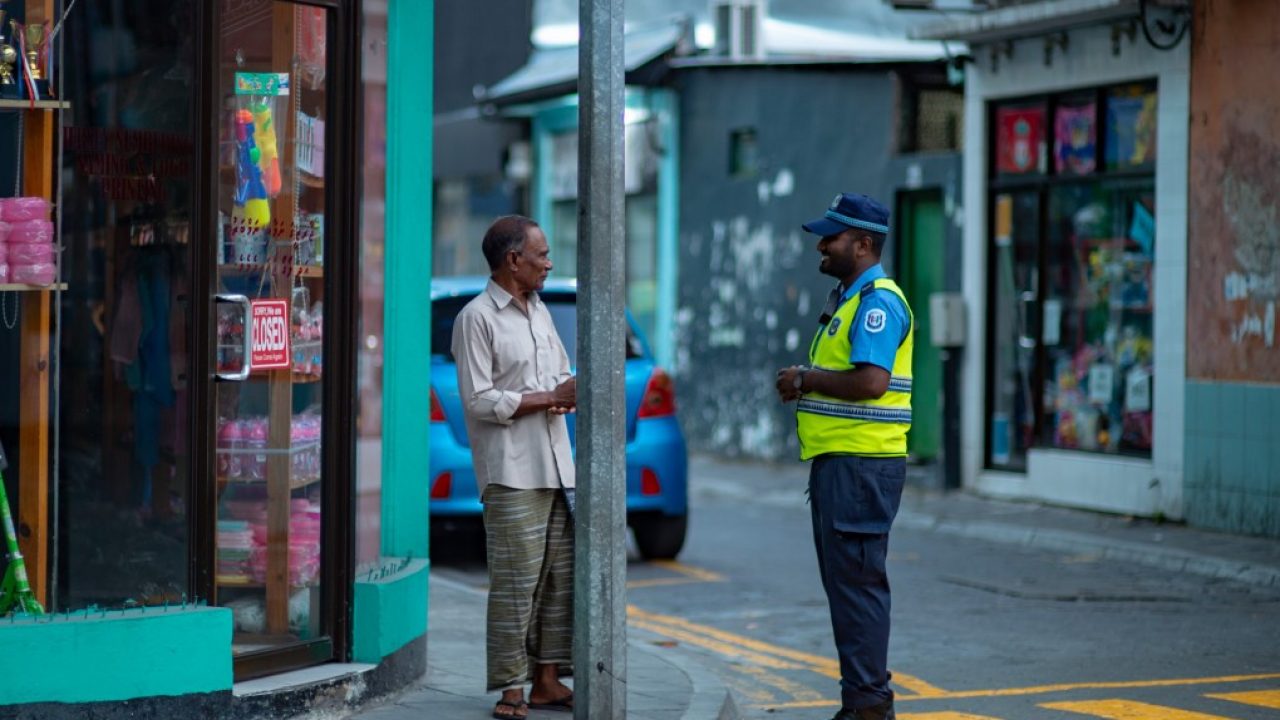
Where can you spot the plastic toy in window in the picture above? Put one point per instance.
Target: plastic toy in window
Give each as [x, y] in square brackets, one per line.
[251, 193]
[264, 135]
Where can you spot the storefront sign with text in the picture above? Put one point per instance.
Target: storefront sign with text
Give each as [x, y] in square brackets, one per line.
[270, 335]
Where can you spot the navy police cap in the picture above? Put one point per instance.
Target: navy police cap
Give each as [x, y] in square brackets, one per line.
[851, 210]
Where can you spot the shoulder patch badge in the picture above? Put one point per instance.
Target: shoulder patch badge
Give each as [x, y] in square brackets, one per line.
[874, 321]
[834, 327]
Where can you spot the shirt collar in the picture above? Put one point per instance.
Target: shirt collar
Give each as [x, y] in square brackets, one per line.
[871, 274]
[502, 298]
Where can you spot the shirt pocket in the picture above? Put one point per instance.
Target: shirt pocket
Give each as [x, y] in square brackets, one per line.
[510, 359]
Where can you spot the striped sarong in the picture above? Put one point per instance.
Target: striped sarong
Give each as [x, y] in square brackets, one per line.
[530, 555]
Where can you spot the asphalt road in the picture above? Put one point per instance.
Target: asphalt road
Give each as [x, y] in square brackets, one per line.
[981, 630]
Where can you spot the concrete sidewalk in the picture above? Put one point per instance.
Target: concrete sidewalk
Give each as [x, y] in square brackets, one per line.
[1164, 545]
[663, 682]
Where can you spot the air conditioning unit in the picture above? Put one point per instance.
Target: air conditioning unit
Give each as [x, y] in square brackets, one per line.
[739, 28]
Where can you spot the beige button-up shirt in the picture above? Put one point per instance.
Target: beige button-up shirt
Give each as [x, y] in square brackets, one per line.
[502, 353]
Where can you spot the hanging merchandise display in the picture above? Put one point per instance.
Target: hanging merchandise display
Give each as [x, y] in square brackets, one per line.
[1073, 253]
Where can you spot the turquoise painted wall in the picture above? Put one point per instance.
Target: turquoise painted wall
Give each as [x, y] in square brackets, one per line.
[1232, 455]
[390, 612]
[406, 382]
[118, 656]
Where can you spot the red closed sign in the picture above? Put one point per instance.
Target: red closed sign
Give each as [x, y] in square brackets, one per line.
[270, 335]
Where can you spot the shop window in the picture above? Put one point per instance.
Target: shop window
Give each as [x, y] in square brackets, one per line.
[1020, 139]
[124, 462]
[744, 153]
[1097, 309]
[931, 117]
[1071, 261]
[1131, 128]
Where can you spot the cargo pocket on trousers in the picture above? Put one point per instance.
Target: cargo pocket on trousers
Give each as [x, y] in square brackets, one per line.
[867, 497]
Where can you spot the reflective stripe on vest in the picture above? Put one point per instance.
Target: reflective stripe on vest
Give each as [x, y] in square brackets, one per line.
[876, 428]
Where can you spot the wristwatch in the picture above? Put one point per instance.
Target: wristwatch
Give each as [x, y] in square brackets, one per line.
[798, 382]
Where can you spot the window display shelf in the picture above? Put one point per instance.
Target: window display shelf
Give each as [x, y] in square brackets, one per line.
[254, 584]
[20, 104]
[310, 180]
[12, 287]
[303, 271]
[295, 483]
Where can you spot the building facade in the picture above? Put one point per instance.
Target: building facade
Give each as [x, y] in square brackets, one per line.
[1076, 254]
[1232, 459]
[214, 469]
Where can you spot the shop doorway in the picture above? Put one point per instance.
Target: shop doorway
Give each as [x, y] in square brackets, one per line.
[281, 265]
[921, 272]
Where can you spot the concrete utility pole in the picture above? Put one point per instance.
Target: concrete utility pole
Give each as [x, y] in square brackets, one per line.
[600, 603]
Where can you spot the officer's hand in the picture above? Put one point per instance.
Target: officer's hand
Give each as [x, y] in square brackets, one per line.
[786, 384]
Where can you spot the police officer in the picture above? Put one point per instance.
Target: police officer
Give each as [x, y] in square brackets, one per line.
[853, 413]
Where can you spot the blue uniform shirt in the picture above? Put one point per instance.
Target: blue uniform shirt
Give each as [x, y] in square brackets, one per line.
[880, 325]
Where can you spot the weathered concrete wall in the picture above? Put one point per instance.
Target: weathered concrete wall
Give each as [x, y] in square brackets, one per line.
[750, 291]
[1233, 363]
[1234, 219]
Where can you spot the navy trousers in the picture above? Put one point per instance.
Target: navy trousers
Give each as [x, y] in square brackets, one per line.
[853, 501]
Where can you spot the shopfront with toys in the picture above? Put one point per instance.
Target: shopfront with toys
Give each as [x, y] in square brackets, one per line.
[193, 269]
[1075, 261]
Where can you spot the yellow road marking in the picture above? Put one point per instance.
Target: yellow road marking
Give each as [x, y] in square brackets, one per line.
[1065, 687]
[754, 693]
[944, 716]
[1129, 710]
[798, 692]
[720, 647]
[817, 663]
[689, 570]
[658, 582]
[1260, 698]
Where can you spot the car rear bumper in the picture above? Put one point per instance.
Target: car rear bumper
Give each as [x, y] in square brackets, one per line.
[658, 446]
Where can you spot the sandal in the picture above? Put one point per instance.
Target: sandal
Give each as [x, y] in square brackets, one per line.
[515, 707]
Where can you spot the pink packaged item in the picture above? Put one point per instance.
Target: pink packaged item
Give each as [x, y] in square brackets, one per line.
[29, 254]
[4, 274]
[33, 274]
[4, 232]
[4, 253]
[31, 231]
[24, 208]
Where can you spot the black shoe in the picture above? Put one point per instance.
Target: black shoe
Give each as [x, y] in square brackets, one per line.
[883, 711]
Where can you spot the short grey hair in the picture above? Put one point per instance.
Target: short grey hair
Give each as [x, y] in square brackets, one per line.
[507, 234]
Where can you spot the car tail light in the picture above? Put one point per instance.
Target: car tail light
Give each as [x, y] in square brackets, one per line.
[442, 488]
[659, 396]
[437, 410]
[649, 484]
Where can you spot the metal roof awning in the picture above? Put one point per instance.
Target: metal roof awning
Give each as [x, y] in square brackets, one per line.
[551, 72]
[1030, 19]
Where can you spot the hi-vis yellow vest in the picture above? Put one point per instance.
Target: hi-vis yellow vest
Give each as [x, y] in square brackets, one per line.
[875, 428]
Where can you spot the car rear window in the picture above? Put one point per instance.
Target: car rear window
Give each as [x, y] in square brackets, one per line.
[563, 313]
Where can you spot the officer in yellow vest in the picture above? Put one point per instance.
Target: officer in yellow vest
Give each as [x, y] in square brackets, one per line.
[853, 411]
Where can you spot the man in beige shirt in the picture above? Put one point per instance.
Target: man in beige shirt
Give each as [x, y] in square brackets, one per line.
[515, 383]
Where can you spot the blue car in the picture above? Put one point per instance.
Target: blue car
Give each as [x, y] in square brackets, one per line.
[657, 460]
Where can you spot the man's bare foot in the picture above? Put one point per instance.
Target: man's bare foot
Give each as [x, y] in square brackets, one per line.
[551, 696]
[548, 693]
[511, 705]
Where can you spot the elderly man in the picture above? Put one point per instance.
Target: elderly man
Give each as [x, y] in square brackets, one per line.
[515, 383]
[853, 411]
